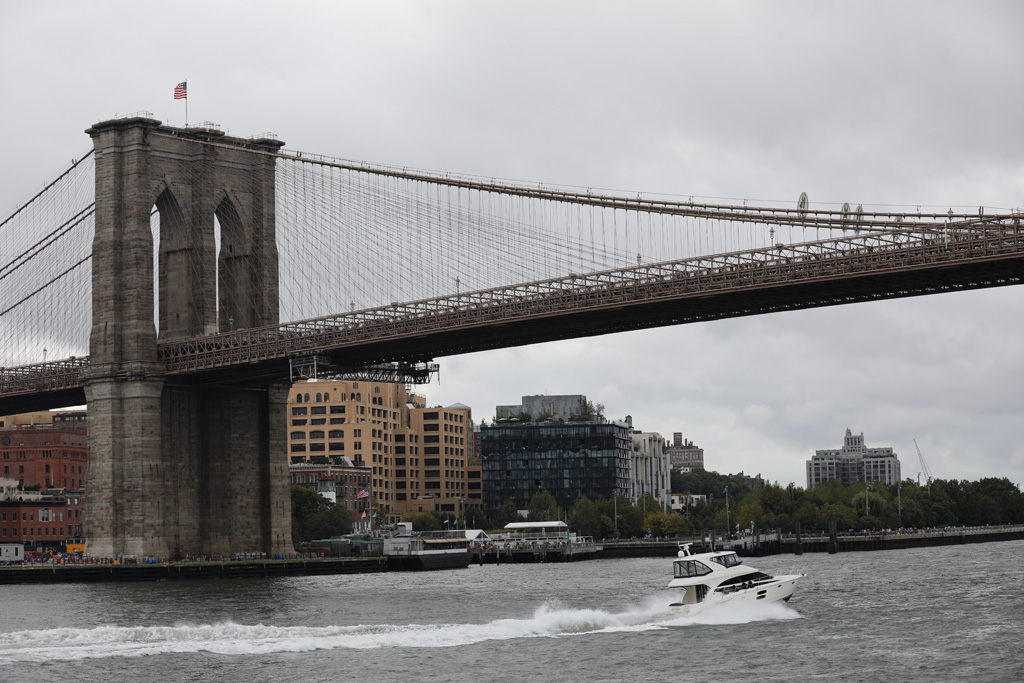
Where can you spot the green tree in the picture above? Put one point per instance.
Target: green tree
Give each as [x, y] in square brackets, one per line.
[775, 500]
[750, 512]
[631, 519]
[506, 513]
[844, 515]
[424, 521]
[543, 508]
[663, 523]
[328, 522]
[475, 518]
[587, 519]
[312, 519]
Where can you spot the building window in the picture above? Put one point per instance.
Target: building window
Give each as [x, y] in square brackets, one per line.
[299, 411]
[316, 434]
[337, 410]
[318, 410]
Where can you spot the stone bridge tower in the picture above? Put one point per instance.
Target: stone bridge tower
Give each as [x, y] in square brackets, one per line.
[199, 469]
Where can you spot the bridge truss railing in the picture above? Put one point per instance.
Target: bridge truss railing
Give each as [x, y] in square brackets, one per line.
[870, 252]
[867, 253]
[57, 375]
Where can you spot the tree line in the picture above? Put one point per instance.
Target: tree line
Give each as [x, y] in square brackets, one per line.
[942, 503]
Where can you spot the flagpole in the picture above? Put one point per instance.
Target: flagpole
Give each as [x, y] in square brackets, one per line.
[186, 103]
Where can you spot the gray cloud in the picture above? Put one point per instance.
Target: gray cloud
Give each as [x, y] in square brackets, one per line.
[913, 103]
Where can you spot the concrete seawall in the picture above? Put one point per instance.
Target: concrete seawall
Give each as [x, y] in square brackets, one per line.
[86, 573]
[89, 573]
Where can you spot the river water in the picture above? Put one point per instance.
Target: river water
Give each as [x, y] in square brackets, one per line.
[929, 614]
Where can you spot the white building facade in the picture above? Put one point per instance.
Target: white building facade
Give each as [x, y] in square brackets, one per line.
[854, 462]
[649, 469]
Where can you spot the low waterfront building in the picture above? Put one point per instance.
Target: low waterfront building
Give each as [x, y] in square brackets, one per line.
[682, 502]
[854, 462]
[38, 523]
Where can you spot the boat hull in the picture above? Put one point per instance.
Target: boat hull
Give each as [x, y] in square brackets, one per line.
[429, 561]
[780, 588]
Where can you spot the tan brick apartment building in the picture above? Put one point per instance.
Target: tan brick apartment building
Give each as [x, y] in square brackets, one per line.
[418, 456]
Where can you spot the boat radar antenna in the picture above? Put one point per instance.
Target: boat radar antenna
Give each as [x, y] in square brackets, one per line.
[684, 549]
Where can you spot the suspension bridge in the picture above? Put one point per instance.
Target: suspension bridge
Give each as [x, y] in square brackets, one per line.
[150, 280]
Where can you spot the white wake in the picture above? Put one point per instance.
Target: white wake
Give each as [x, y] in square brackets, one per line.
[227, 638]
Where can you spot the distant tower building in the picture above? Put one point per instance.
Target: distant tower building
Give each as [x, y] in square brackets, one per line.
[853, 463]
[684, 455]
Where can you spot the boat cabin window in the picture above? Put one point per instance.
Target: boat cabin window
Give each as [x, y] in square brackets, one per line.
[688, 568]
[730, 560]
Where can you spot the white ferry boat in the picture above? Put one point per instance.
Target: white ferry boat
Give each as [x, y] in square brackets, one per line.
[720, 577]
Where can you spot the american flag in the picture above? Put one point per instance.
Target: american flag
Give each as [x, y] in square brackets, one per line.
[180, 92]
[365, 493]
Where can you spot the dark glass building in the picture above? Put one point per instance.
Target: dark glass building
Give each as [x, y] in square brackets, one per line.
[568, 460]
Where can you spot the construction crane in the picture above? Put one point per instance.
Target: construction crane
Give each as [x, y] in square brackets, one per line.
[924, 468]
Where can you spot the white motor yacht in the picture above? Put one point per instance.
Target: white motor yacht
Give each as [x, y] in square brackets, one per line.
[720, 577]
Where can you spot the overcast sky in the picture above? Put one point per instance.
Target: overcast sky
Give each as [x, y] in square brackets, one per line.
[909, 103]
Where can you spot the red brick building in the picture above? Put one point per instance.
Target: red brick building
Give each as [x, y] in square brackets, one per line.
[39, 523]
[346, 481]
[48, 455]
[48, 451]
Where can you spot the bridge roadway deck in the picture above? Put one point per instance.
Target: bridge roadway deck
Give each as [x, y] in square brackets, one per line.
[725, 286]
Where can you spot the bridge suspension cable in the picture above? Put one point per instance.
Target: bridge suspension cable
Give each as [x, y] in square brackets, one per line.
[45, 293]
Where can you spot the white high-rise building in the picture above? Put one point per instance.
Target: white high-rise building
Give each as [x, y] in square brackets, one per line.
[853, 462]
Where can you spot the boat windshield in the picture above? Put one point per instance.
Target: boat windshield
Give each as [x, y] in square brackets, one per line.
[730, 560]
[687, 568]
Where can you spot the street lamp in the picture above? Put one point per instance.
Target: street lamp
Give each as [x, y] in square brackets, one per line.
[727, 527]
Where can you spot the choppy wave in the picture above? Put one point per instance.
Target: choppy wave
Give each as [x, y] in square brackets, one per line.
[227, 638]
